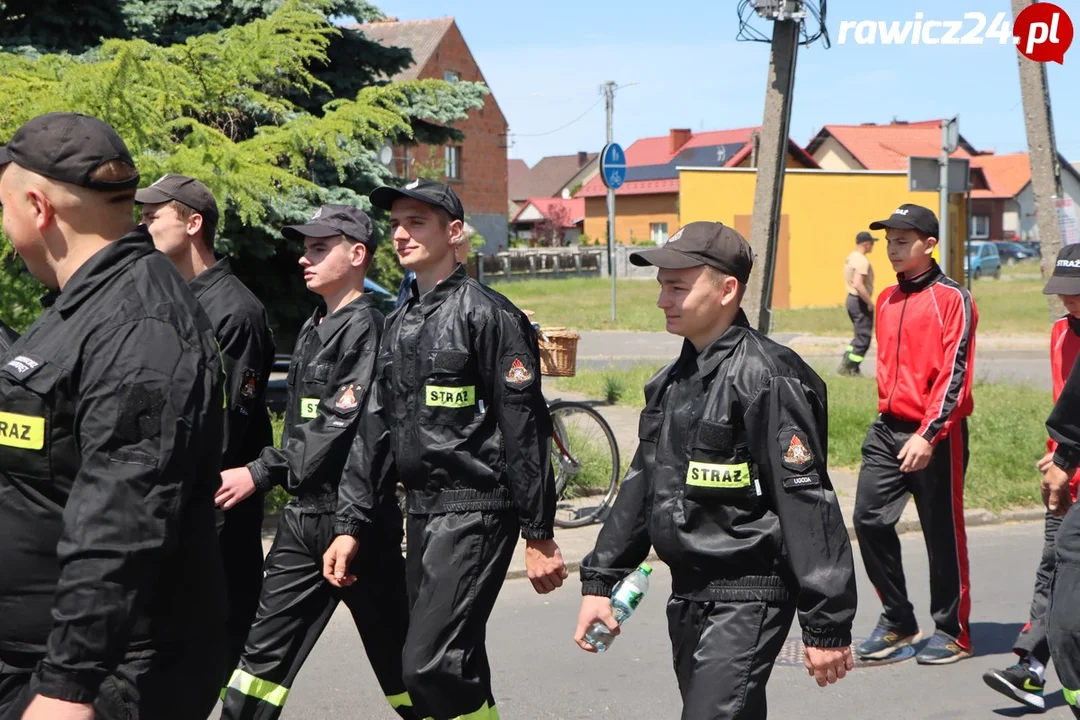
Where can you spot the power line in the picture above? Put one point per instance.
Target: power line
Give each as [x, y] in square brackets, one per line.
[563, 127]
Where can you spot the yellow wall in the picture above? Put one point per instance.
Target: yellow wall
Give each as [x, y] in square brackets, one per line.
[825, 210]
[633, 215]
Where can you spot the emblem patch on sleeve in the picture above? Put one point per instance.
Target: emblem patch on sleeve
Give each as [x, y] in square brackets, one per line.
[796, 450]
[248, 383]
[346, 399]
[518, 374]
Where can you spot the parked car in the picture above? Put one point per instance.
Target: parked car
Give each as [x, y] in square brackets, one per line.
[982, 259]
[277, 388]
[1013, 252]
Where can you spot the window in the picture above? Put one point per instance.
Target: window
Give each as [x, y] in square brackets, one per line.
[658, 231]
[453, 162]
[450, 76]
[980, 226]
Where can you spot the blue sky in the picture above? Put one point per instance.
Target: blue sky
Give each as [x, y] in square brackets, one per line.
[545, 62]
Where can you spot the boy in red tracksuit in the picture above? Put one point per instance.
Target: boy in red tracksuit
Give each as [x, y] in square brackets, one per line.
[919, 443]
[1026, 680]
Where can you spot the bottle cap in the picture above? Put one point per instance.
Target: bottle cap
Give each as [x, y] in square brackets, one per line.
[644, 567]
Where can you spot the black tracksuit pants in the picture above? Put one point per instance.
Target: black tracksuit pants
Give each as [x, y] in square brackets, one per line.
[939, 497]
[1063, 623]
[296, 605]
[1032, 638]
[456, 565]
[240, 537]
[724, 654]
[862, 317]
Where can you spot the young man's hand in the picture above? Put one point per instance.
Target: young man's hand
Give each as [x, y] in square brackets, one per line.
[544, 564]
[236, 485]
[336, 561]
[45, 708]
[1045, 462]
[593, 608]
[828, 665]
[1055, 490]
[915, 455]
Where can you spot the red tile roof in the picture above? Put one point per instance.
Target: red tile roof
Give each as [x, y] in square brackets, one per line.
[1005, 174]
[575, 208]
[422, 37]
[887, 147]
[657, 151]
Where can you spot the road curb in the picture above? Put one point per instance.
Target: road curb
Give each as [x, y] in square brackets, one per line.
[975, 517]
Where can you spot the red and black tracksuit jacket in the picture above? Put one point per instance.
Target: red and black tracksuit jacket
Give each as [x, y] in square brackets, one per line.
[926, 344]
[1064, 349]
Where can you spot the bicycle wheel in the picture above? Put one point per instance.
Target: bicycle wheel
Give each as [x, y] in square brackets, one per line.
[585, 458]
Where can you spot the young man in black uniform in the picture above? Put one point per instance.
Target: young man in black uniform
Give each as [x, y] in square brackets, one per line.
[332, 368]
[730, 484]
[458, 415]
[110, 414]
[181, 215]
[1063, 614]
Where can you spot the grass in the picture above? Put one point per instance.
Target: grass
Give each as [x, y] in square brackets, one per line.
[1013, 305]
[1007, 431]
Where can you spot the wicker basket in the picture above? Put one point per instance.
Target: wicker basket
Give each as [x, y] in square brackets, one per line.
[558, 352]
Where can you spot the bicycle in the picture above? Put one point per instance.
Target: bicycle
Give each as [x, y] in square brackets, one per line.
[584, 459]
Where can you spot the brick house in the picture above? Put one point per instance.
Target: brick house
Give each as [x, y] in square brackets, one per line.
[476, 168]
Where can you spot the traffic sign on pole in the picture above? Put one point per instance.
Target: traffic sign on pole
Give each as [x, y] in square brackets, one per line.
[613, 166]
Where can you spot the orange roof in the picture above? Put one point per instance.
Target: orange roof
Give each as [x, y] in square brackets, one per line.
[1005, 174]
[888, 147]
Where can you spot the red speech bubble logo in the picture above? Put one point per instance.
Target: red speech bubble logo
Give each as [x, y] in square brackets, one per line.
[1043, 32]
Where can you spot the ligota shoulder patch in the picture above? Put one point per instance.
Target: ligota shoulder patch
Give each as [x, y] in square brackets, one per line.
[248, 383]
[795, 449]
[346, 399]
[518, 375]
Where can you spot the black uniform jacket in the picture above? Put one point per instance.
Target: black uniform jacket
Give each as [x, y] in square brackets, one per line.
[730, 485]
[247, 354]
[110, 448]
[331, 370]
[457, 413]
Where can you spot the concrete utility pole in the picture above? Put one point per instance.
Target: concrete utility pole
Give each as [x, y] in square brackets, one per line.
[771, 156]
[1043, 155]
[609, 101]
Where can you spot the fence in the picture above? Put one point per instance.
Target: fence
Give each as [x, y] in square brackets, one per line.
[536, 263]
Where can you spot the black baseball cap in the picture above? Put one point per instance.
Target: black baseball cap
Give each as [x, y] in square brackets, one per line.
[701, 243]
[1065, 280]
[68, 147]
[183, 189]
[427, 191]
[865, 237]
[909, 216]
[331, 220]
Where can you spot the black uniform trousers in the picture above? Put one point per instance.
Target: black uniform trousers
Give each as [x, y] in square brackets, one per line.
[1063, 623]
[938, 490]
[862, 317]
[240, 537]
[456, 564]
[1032, 638]
[724, 654]
[297, 602]
[179, 684]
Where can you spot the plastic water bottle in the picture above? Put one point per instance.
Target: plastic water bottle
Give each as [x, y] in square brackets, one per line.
[625, 598]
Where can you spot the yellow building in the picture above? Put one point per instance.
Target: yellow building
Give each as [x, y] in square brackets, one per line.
[822, 212]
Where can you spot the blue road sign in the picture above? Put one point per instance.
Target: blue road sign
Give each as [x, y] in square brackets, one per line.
[613, 166]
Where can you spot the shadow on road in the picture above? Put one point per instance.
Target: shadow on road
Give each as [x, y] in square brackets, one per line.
[990, 638]
[1053, 700]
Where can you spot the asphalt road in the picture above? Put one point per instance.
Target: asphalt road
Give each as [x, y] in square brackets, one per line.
[539, 673]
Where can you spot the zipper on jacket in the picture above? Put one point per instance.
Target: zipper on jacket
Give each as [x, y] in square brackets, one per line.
[899, 337]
